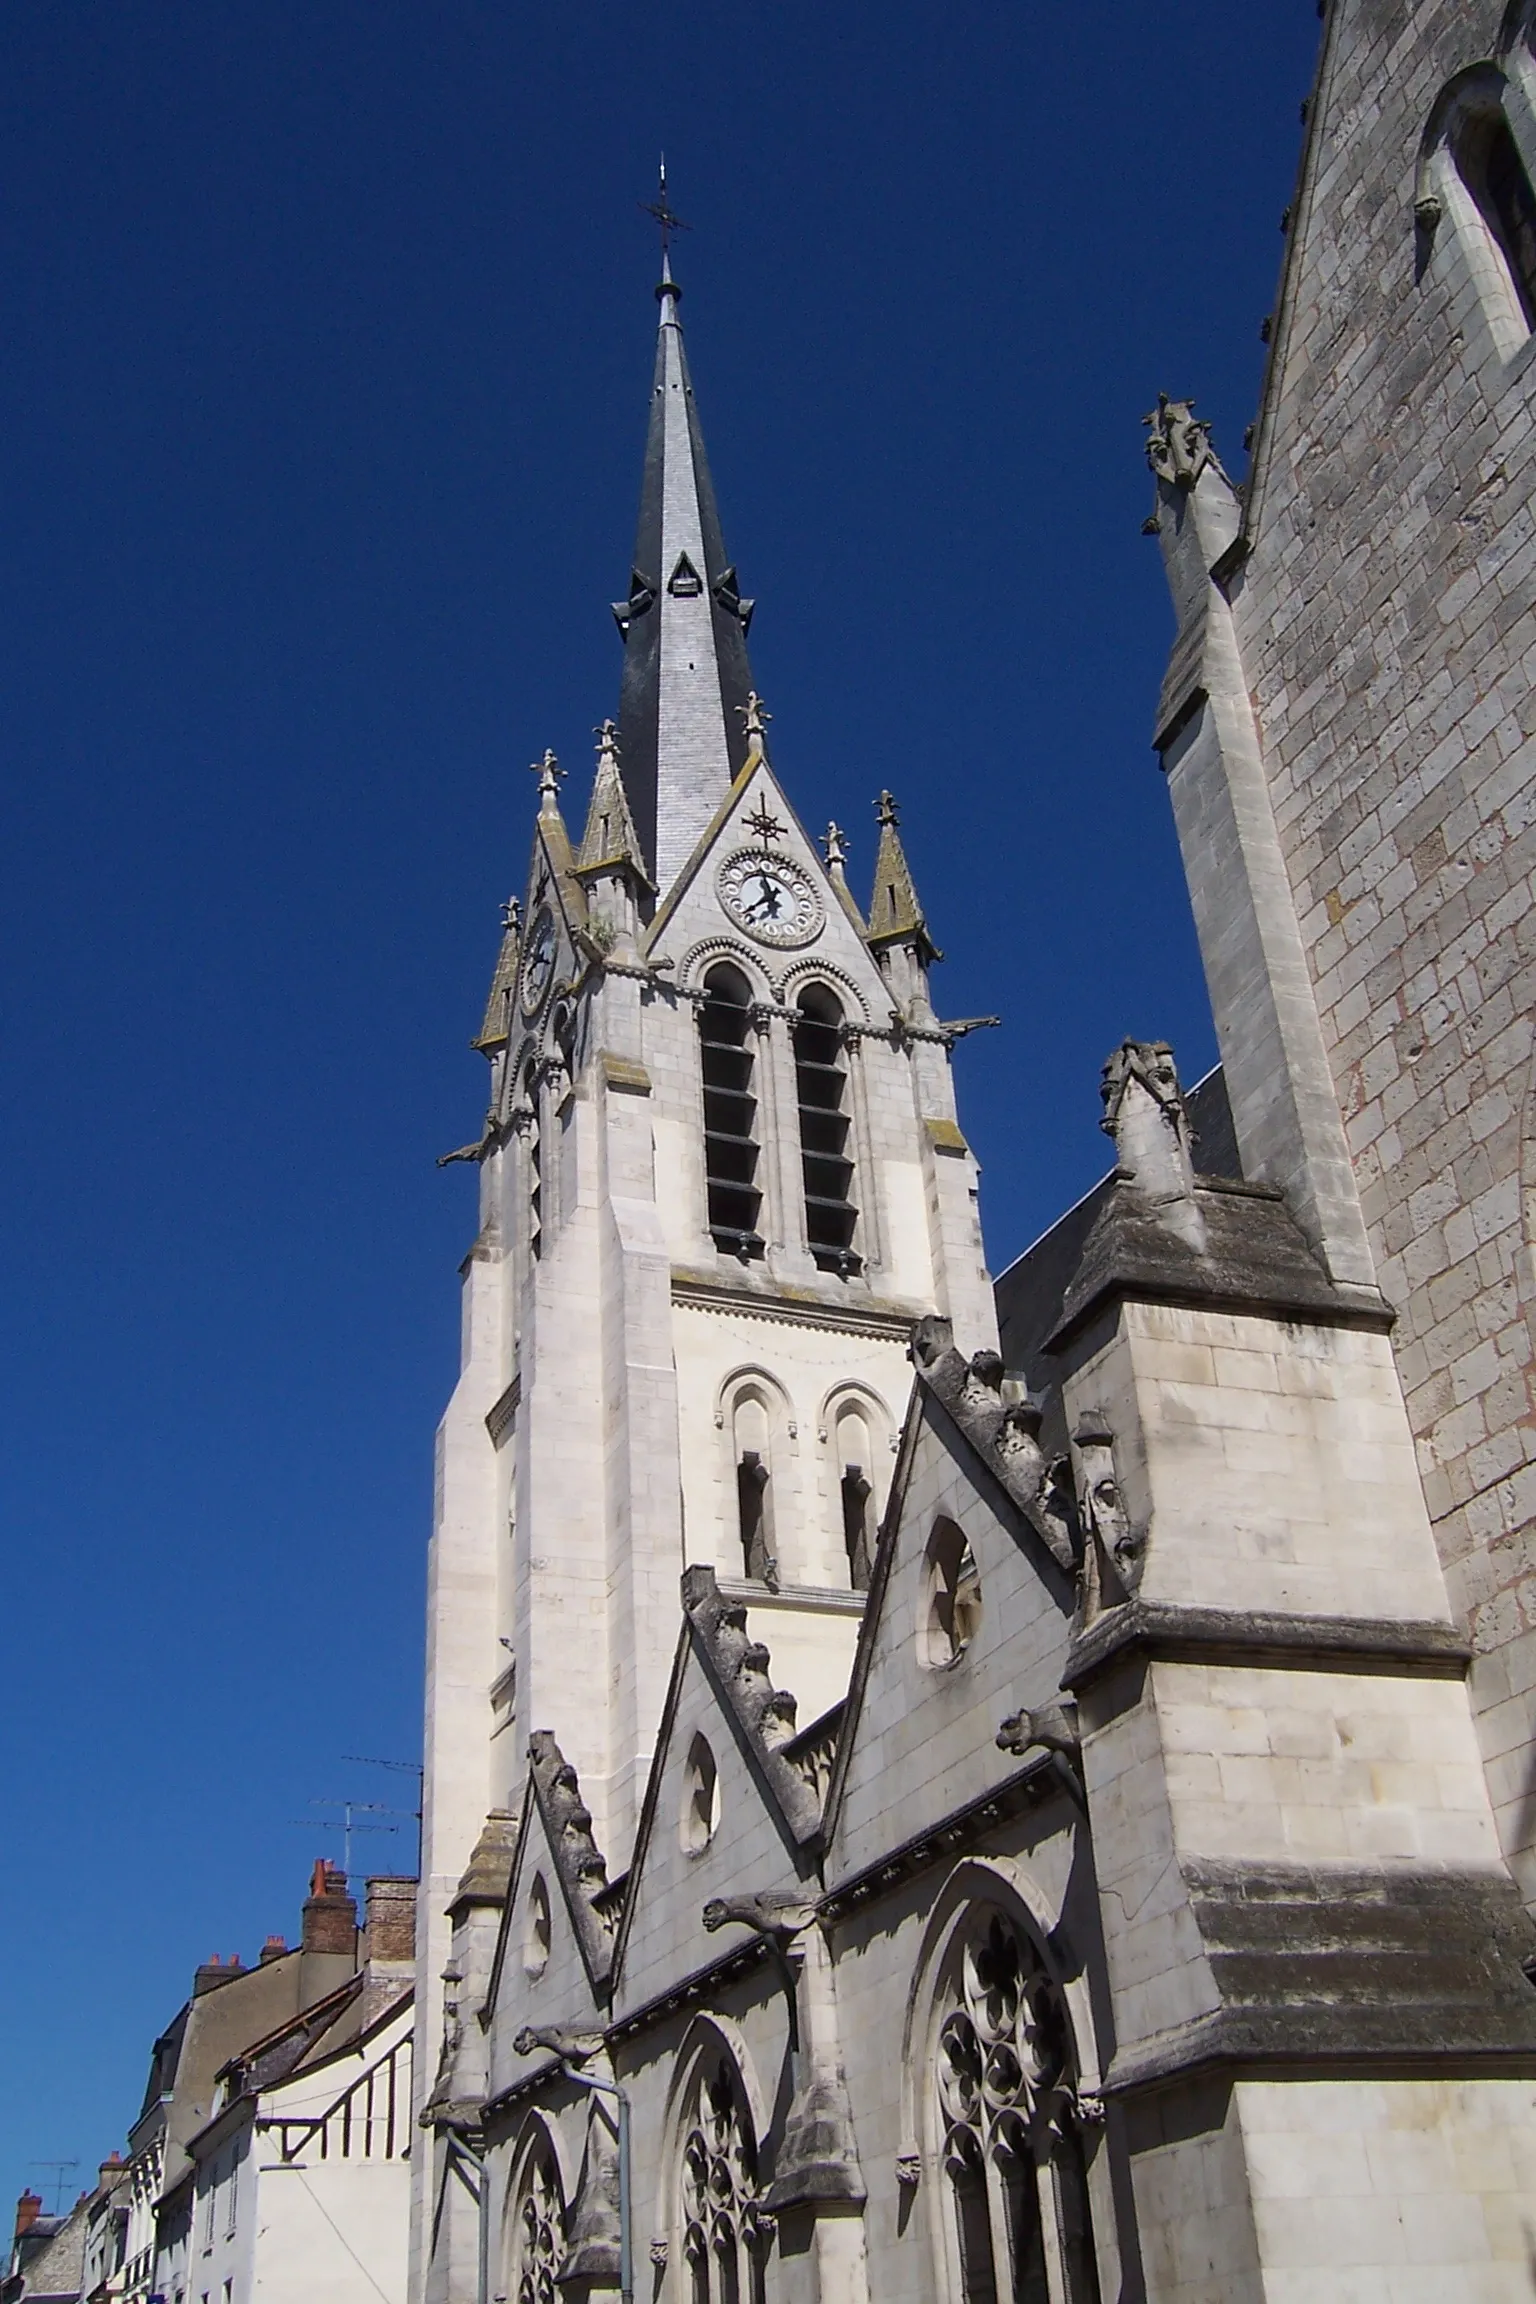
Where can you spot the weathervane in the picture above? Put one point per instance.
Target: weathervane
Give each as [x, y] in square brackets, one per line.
[661, 208]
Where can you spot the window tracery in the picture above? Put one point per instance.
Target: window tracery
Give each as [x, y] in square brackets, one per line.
[1007, 2114]
[538, 2234]
[723, 2230]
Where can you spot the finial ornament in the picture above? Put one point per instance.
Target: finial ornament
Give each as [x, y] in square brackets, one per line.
[512, 915]
[667, 220]
[607, 734]
[1178, 442]
[549, 773]
[886, 811]
[755, 718]
[834, 847]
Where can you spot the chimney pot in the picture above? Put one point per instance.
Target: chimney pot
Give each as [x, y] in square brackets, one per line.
[330, 1914]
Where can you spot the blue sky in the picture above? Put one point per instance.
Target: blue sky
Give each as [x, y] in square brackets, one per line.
[322, 392]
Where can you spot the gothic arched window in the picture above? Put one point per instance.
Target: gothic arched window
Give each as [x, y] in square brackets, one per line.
[752, 1452]
[821, 1088]
[538, 2233]
[1489, 164]
[853, 1444]
[1016, 2186]
[730, 1112]
[723, 2235]
[951, 1598]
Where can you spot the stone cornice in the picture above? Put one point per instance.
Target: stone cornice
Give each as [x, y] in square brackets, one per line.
[798, 1311]
[952, 1835]
[499, 1417]
[1249, 1636]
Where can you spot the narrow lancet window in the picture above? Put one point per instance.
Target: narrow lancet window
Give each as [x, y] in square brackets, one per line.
[535, 1164]
[752, 1443]
[1488, 160]
[730, 1112]
[855, 1465]
[821, 1086]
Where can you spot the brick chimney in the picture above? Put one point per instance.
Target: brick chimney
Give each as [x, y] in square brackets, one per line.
[28, 2209]
[330, 1914]
[274, 1948]
[214, 1971]
[391, 1921]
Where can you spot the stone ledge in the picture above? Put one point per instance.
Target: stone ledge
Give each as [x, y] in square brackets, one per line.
[802, 1311]
[1256, 1636]
[498, 1418]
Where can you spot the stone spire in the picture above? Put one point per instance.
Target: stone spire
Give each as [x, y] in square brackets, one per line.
[686, 676]
[610, 838]
[895, 915]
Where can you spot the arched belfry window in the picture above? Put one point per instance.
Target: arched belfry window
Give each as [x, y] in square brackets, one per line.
[723, 2235]
[730, 1111]
[821, 1089]
[1490, 166]
[1008, 2118]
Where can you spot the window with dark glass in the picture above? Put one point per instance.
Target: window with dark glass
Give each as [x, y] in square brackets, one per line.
[821, 1088]
[730, 1112]
[1489, 161]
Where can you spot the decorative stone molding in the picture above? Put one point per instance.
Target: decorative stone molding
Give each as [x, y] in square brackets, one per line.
[1003, 1425]
[1178, 442]
[500, 1417]
[766, 1715]
[578, 1859]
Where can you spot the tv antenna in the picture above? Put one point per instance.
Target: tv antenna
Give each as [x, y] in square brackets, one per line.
[405, 1768]
[61, 2170]
[351, 1811]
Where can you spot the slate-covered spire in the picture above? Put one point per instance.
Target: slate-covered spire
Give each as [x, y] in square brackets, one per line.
[686, 676]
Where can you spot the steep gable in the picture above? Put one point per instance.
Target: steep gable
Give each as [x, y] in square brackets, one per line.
[921, 1739]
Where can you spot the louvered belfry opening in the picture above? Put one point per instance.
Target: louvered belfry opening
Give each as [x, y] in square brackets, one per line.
[730, 1112]
[821, 1086]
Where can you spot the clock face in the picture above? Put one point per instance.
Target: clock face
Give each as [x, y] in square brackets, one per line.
[770, 897]
[538, 962]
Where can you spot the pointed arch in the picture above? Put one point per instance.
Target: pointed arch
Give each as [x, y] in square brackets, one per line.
[756, 1416]
[732, 1127]
[1474, 172]
[534, 2214]
[714, 2131]
[1000, 2081]
[857, 1432]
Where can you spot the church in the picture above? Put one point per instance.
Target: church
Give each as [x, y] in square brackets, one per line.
[943, 1790]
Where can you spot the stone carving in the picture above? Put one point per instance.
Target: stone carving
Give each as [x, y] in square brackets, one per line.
[1178, 442]
[739, 1667]
[1151, 1063]
[1003, 1424]
[1049, 1728]
[1145, 1113]
[593, 2252]
[909, 2170]
[779, 1916]
[578, 1859]
[1115, 1556]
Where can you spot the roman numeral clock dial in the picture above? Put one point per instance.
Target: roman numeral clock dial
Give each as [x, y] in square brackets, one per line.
[770, 897]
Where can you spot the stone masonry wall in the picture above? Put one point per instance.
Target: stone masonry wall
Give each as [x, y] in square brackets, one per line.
[1385, 616]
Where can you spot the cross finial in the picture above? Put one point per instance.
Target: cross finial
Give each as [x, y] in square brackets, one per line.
[549, 772]
[512, 914]
[834, 847]
[668, 221]
[886, 811]
[607, 734]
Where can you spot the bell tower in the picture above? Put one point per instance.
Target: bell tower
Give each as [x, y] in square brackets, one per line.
[720, 1177]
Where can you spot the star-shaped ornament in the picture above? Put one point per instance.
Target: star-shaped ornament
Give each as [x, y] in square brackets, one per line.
[766, 825]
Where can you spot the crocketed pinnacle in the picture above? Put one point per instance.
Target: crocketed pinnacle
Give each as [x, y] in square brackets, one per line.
[895, 915]
[610, 837]
[496, 1028]
[686, 674]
